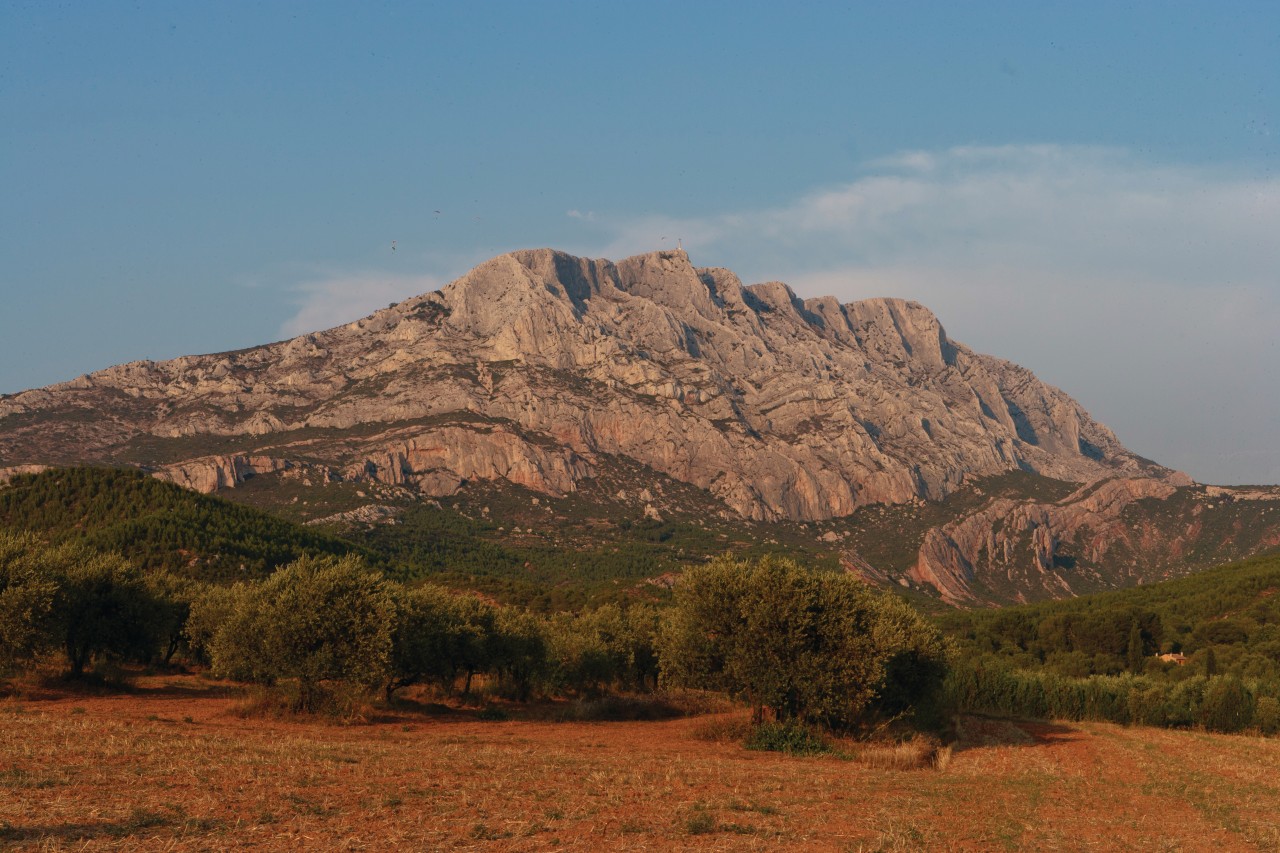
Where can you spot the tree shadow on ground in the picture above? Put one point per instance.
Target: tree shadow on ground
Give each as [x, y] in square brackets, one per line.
[141, 820]
[972, 731]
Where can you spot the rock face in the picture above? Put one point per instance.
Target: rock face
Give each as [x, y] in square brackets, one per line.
[534, 363]
[953, 556]
[1107, 534]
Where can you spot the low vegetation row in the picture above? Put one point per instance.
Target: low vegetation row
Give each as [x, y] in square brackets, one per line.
[1222, 621]
[805, 648]
[1224, 703]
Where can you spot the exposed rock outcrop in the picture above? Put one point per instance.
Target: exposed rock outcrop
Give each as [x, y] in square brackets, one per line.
[1010, 539]
[534, 362]
[210, 473]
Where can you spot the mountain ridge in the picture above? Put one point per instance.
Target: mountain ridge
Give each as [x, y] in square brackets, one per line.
[537, 367]
[719, 351]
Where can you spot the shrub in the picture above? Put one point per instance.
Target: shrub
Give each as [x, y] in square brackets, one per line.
[1266, 716]
[791, 738]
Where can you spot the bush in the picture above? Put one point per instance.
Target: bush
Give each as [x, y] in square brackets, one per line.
[791, 738]
[1266, 716]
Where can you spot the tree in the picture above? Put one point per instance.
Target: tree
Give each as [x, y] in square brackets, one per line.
[428, 627]
[27, 590]
[172, 595]
[104, 607]
[1227, 705]
[815, 647]
[519, 648]
[1136, 658]
[212, 606]
[315, 620]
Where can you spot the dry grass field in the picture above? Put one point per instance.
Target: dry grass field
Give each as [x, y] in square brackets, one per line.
[169, 766]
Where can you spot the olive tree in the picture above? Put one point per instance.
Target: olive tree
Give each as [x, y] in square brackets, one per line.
[88, 603]
[429, 628]
[27, 590]
[104, 607]
[317, 619]
[820, 648]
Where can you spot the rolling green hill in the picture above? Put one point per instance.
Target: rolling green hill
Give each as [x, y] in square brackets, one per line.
[157, 524]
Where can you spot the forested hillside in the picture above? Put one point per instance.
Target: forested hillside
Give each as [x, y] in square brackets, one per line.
[1202, 650]
[156, 524]
[1232, 611]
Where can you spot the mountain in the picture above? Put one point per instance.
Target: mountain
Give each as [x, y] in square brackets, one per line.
[547, 372]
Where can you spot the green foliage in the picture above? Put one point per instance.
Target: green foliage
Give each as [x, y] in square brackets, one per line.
[172, 595]
[104, 607]
[604, 648]
[446, 547]
[211, 607]
[1222, 703]
[816, 647]
[27, 591]
[438, 635]
[790, 737]
[88, 604]
[421, 638]
[314, 620]
[1227, 620]
[519, 648]
[1227, 705]
[1266, 715]
[1136, 657]
[157, 525]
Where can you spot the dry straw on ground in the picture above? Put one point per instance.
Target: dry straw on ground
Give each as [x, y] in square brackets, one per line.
[169, 768]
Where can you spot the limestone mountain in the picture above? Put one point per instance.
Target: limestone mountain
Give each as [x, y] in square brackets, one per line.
[540, 369]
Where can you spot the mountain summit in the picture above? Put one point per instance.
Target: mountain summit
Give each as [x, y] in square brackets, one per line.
[649, 388]
[536, 364]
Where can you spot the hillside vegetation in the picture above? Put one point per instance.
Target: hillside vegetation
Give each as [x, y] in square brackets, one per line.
[1099, 656]
[157, 525]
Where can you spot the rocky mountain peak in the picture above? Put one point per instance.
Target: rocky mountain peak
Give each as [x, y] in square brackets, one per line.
[535, 363]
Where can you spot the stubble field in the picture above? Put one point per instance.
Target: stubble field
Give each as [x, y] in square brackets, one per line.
[170, 767]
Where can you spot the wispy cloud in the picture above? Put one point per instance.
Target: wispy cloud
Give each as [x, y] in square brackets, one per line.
[332, 300]
[1149, 291]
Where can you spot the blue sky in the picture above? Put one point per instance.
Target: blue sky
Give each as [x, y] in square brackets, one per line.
[1088, 189]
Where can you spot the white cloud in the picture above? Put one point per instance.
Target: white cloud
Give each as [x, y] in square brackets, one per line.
[337, 299]
[1149, 291]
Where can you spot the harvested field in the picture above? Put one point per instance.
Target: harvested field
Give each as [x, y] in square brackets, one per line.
[168, 767]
